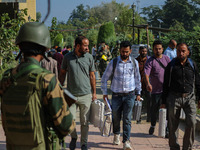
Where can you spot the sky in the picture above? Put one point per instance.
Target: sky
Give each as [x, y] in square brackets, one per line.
[61, 9]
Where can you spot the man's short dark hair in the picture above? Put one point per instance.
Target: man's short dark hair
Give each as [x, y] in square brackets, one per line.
[79, 40]
[58, 49]
[49, 54]
[157, 42]
[181, 44]
[125, 44]
[141, 48]
[31, 49]
[69, 46]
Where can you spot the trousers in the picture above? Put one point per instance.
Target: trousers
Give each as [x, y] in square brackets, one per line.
[84, 103]
[174, 103]
[122, 105]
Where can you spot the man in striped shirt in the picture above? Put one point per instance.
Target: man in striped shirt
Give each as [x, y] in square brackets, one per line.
[126, 87]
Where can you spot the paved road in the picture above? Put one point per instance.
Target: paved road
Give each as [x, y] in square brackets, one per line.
[140, 139]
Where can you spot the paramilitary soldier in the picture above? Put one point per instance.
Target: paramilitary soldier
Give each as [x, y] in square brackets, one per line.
[34, 112]
[115, 52]
[104, 57]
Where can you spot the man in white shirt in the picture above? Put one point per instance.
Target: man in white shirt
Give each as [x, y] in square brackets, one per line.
[126, 87]
[171, 49]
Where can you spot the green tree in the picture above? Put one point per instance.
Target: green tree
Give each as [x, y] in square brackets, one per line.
[8, 32]
[38, 16]
[106, 11]
[78, 16]
[107, 33]
[124, 20]
[196, 45]
[69, 40]
[181, 11]
[197, 2]
[92, 37]
[58, 41]
[79, 13]
[152, 13]
[53, 30]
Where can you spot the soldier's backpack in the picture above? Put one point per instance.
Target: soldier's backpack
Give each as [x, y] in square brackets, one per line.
[23, 118]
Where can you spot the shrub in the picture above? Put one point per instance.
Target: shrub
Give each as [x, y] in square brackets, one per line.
[107, 33]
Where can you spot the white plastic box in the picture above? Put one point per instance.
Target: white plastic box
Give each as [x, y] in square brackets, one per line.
[162, 122]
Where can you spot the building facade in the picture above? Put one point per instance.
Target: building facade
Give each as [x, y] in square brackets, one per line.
[11, 6]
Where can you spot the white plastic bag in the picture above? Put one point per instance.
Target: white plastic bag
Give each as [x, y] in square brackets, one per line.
[97, 113]
[182, 114]
[107, 125]
[162, 122]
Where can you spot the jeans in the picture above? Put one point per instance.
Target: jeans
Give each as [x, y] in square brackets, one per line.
[156, 102]
[175, 103]
[122, 104]
[147, 98]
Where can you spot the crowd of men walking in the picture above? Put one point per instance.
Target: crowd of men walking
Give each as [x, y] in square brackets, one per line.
[35, 114]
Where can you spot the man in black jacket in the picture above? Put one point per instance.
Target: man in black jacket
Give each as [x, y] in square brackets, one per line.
[180, 79]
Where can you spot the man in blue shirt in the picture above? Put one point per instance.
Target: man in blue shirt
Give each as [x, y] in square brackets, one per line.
[171, 49]
[126, 86]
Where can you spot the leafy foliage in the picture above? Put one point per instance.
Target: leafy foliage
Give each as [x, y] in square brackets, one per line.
[107, 33]
[106, 11]
[38, 16]
[83, 19]
[92, 37]
[152, 13]
[53, 30]
[183, 11]
[58, 41]
[79, 13]
[8, 32]
[69, 40]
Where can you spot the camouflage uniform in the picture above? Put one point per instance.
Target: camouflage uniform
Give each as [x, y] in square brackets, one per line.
[34, 111]
[56, 110]
[103, 62]
[115, 52]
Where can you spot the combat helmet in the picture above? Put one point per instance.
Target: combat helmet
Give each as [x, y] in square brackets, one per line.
[34, 32]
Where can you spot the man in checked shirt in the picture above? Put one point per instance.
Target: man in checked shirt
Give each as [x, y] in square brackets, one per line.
[126, 87]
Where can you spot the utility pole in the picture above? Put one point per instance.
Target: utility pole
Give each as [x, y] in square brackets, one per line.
[138, 6]
[133, 8]
[160, 21]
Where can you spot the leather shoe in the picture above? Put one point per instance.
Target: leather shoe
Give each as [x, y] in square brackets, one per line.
[151, 130]
[72, 144]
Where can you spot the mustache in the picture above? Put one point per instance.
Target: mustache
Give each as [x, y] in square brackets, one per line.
[124, 56]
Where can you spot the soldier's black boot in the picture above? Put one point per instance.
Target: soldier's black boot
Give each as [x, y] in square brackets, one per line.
[72, 144]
